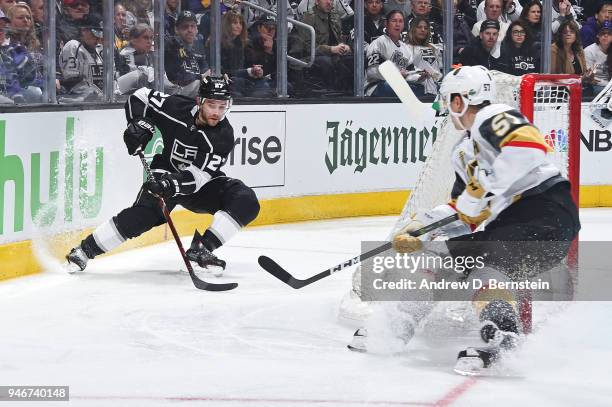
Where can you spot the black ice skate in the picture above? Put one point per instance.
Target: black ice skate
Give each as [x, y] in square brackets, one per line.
[499, 331]
[203, 257]
[77, 260]
[358, 344]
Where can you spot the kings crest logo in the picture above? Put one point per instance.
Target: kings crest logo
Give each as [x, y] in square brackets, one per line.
[182, 155]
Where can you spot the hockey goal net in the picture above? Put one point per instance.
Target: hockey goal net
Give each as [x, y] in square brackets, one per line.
[551, 102]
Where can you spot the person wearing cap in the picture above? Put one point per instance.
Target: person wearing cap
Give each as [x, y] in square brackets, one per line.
[590, 29]
[480, 51]
[81, 63]
[184, 58]
[596, 56]
[261, 51]
[493, 11]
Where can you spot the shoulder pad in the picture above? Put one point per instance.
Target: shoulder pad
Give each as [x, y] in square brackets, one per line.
[500, 125]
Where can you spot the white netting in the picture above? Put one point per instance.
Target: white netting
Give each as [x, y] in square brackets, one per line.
[435, 180]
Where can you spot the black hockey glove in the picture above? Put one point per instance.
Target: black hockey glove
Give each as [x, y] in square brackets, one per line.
[138, 134]
[164, 187]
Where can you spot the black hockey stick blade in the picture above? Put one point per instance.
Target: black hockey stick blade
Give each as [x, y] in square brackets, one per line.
[203, 285]
[283, 275]
[199, 284]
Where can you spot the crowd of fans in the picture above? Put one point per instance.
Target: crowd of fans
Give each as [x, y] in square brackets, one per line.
[504, 35]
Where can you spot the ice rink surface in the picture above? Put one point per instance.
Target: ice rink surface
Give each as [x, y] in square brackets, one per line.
[133, 331]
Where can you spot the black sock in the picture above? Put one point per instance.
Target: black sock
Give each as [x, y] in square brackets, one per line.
[90, 247]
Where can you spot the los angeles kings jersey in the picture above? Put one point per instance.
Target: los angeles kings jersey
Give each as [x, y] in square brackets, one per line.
[197, 153]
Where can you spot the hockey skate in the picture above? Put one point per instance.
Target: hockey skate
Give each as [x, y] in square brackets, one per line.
[203, 257]
[358, 344]
[499, 331]
[77, 260]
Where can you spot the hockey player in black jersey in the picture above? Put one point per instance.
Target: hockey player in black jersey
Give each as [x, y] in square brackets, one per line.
[197, 141]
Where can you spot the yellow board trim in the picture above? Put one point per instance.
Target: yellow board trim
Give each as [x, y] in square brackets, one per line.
[18, 259]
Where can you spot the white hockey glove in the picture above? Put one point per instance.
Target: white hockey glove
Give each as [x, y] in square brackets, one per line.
[472, 207]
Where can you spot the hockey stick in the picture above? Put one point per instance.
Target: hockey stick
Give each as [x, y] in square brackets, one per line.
[200, 284]
[397, 82]
[283, 275]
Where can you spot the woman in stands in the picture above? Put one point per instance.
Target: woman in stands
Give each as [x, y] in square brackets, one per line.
[518, 56]
[567, 53]
[233, 46]
[26, 53]
[426, 56]
[532, 16]
[390, 47]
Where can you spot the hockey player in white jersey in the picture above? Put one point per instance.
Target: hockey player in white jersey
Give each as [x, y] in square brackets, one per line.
[515, 207]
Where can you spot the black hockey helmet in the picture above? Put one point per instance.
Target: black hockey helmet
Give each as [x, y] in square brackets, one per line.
[214, 87]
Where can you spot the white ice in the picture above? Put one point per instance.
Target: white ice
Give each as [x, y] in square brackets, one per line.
[133, 331]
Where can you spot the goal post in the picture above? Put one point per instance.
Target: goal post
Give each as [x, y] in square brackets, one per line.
[553, 104]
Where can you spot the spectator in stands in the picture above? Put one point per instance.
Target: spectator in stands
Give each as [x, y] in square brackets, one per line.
[510, 11]
[462, 35]
[518, 56]
[373, 20]
[122, 30]
[253, 15]
[426, 56]
[197, 6]
[596, 57]
[466, 11]
[405, 6]
[8, 76]
[340, 7]
[38, 15]
[390, 47]
[480, 51]
[261, 51]
[562, 11]
[567, 53]
[68, 25]
[532, 15]
[493, 11]
[233, 46]
[135, 63]
[422, 8]
[5, 5]
[141, 11]
[333, 63]
[26, 52]
[184, 58]
[171, 14]
[589, 30]
[81, 64]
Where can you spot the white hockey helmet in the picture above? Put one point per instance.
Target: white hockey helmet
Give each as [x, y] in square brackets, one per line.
[474, 84]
